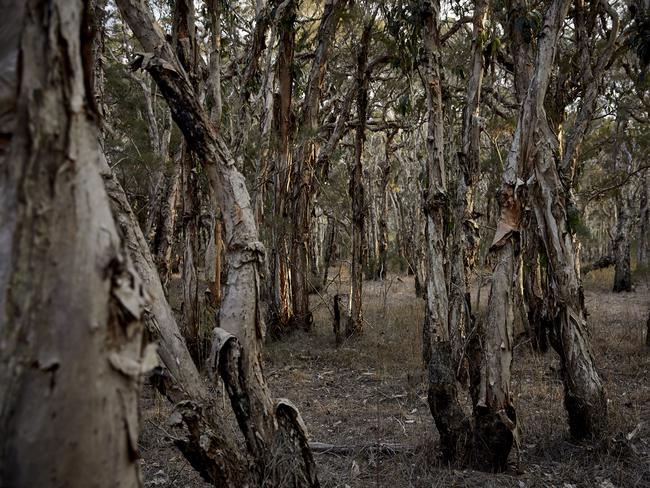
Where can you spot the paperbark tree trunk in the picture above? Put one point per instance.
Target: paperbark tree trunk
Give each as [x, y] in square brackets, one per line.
[495, 415]
[382, 218]
[465, 237]
[70, 302]
[207, 446]
[356, 189]
[623, 231]
[274, 433]
[442, 395]
[304, 160]
[643, 245]
[184, 42]
[552, 201]
[281, 306]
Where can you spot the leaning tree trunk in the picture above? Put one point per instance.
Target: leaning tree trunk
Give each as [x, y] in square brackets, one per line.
[495, 416]
[71, 358]
[206, 444]
[356, 189]
[274, 434]
[552, 200]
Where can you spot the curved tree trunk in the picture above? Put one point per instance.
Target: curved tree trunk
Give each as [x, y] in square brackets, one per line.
[272, 432]
[70, 302]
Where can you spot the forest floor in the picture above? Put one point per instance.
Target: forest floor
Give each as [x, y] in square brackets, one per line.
[372, 390]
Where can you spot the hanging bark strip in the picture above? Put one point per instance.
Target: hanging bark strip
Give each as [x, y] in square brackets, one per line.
[72, 353]
[495, 416]
[272, 432]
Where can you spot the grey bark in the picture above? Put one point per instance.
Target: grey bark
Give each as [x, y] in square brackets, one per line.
[272, 431]
[71, 353]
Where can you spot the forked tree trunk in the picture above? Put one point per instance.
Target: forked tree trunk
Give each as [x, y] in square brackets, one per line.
[552, 201]
[494, 413]
[206, 444]
[70, 302]
[356, 189]
[273, 433]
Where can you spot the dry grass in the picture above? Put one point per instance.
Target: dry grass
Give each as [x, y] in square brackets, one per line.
[372, 390]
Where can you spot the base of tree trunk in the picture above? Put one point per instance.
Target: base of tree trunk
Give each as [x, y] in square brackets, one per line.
[493, 438]
[587, 418]
[451, 422]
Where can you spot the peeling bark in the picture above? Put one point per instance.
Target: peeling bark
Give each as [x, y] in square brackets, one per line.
[72, 349]
[240, 315]
[494, 413]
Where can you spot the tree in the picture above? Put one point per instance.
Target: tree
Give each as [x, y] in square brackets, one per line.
[274, 433]
[73, 350]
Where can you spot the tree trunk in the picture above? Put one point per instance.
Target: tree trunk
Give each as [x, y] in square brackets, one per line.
[303, 173]
[382, 221]
[643, 245]
[184, 42]
[623, 232]
[272, 433]
[494, 413]
[465, 237]
[437, 353]
[281, 306]
[356, 189]
[206, 444]
[72, 345]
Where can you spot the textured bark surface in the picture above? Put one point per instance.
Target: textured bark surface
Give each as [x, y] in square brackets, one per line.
[281, 306]
[494, 413]
[240, 315]
[552, 200]
[304, 165]
[442, 391]
[356, 189]
[71, 353]
[206, 444]
[465, 236]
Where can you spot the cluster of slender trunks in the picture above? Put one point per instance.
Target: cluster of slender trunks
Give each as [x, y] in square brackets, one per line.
[81, 344]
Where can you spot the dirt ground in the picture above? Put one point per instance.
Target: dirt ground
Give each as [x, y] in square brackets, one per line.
[372, 391]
